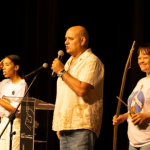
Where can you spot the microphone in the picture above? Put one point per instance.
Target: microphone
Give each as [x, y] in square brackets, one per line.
[45, 65]
[60, 55]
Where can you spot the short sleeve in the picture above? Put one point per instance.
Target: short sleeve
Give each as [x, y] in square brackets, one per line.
[20, 93]
[1, 85]
[91, 73]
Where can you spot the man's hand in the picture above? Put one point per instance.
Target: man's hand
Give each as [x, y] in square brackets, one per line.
[1, 64]
[58, 134]
[57, 65]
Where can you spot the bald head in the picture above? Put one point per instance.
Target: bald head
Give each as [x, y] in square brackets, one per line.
[81, 32]
[76, 40]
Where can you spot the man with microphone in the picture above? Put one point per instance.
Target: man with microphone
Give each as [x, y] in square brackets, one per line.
[79, 101]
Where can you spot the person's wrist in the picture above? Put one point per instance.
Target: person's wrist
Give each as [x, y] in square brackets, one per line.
[61, 73]
[147, 115]
[125, 116]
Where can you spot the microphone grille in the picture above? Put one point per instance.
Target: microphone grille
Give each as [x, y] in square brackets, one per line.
[45, 65]
[60, 52]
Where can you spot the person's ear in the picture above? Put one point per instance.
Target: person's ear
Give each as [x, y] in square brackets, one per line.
[17, 67]
[83, 41]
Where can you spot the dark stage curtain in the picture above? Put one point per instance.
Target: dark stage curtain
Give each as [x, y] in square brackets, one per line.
[39, 46]
[35, 31]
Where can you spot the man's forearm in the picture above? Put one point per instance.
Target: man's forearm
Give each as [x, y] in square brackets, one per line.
[80, 88]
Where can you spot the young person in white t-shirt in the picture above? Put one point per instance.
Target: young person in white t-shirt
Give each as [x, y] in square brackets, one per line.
[13, 86]
[138, 116]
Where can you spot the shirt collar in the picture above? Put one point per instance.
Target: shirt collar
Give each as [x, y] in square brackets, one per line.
[84, 55]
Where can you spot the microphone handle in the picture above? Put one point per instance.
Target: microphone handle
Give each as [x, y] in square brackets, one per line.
[53, 73]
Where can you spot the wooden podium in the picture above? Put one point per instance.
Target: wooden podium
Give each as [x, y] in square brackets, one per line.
[30, 107]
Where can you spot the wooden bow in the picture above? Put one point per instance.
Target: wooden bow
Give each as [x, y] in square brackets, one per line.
[128, 66]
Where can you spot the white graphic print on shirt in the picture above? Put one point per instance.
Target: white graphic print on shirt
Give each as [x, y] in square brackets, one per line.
[136, 100]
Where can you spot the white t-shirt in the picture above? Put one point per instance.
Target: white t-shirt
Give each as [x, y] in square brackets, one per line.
[140, 101]
[9, 90]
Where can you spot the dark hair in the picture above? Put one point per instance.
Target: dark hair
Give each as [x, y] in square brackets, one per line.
[17, 61]
[145, 49]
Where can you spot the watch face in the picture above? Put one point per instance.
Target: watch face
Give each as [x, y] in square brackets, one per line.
[60, 74]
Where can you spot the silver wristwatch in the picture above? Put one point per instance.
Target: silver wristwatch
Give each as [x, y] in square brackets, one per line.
[61, 73]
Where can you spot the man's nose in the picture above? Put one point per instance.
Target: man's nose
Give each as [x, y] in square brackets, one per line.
[66, 42]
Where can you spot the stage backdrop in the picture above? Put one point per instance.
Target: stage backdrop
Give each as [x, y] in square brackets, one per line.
[35, 31]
